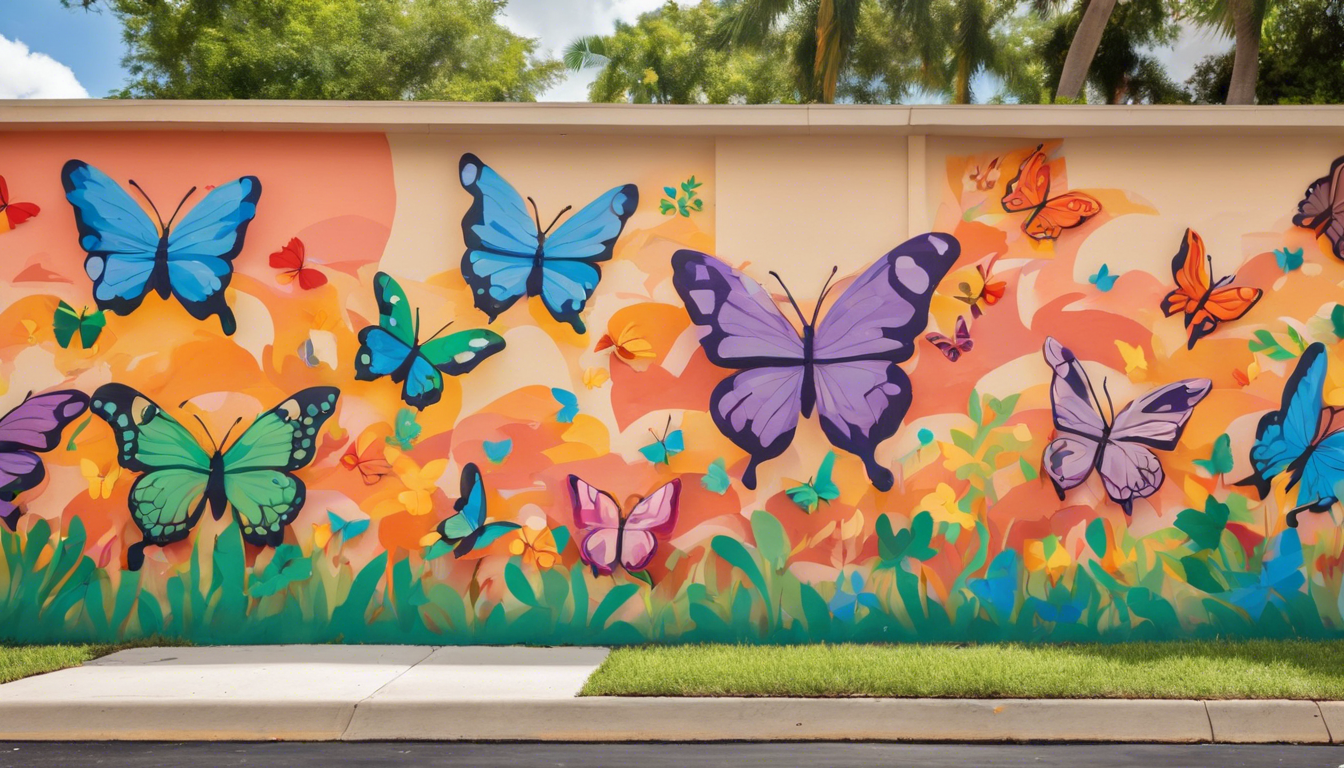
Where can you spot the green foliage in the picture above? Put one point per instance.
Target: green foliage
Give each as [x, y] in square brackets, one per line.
[1205, 529]
[684, 201]
[1220, 462]
[1301, 50]
[452, 50]
[1270, 346]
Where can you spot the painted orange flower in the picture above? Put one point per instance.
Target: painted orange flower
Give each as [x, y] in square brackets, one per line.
[537, 546]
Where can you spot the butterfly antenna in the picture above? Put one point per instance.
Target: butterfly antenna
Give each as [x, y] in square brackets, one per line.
[1093, 390]
[225, 440]
[557, 218]
[536, 215]
[417, 325]
[441, 330]
[1109, 405]
[825, 288]
[190, 192]
[208, 436]
[801, 317]
[145, 195]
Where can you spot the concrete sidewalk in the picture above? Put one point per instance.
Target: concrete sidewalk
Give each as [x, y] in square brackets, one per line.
[365, 693]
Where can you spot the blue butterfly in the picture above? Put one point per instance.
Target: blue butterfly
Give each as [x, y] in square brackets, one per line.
[466, 529]
[1304, 437]
[1103, 279]
[509, 256]
[393, 348]
[569, 405]
[347, 528]
[1280, 576]
[129, 255]
[497, 450]
[998, 589]
[662, 449]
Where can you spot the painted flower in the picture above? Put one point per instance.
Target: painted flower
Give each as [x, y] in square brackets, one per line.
[942, 504]
[844, 604]
[537, 546]
[1047, 555]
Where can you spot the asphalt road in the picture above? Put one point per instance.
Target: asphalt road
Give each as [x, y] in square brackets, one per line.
[427, 755]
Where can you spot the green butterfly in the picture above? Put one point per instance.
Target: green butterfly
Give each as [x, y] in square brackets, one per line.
[813, 492]
[67, 322]
[252, 476]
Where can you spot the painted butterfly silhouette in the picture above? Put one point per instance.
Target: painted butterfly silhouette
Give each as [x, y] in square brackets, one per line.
[33, 426]
[821, 487]
[1204, 302]
[393, 348]
[253, 476]
[1119, 447]
[367, 456]
[662, 449]
[129, 255]
[1322, 209]
[612, 539]
[292, 260]
[953, 348]
[844, 364]
[1304, 437]
[989, 293]
[509, 256]
[67, 322]
[986, 179]
[13, 214]
[1047, 217]
[466, 529]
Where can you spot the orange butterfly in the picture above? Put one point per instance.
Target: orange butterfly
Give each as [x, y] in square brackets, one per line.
[989, 293]
[1049, 216]
[292, 260]
[628, 344]
[986, 179]
[13, 214]
[367, 455]
[1204, 302]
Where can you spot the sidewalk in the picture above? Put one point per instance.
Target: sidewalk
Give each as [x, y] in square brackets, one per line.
[366, 693]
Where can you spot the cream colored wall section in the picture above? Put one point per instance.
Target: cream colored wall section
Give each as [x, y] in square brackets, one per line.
[802, 204]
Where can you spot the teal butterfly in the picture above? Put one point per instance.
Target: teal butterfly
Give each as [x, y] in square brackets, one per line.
[664, 448]
[1103, 279]
[67, 322]
[467, 530]
[393, 348]
[349, 529]
[252, 476]
[569, 405]
[1288, 260]
[716, 477]
[822, 488]
[497, 450]
[405, 430]
[1220, 461]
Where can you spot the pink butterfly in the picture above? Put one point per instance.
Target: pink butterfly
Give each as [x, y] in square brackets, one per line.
[953, 349]
[610, 538]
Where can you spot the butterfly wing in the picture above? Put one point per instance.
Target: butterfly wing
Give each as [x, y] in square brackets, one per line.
[458, 353]
[756, 408]
[263, 494]
[598, 516]
[1030, 187]
[119, 238]
[64, 324]
[1322, 208]
[861, 395]
[15, 213]
[571, 253]
[1060, 213]
[384, 348]
[202, 246]
[1283, 436]
[502, 239]
[1069, 458]
[36, 423]
[91, 327]
[1190, 270]
[655, 515]
[1129, 469]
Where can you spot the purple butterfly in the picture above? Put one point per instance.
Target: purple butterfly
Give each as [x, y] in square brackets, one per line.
[1118, 448]
[1322, 209]
[844, 365]
[953, 349]
[34, 425]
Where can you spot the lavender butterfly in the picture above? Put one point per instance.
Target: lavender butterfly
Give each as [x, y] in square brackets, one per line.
[1322, 209]
[34, 425]
[844, 365]
[1120, 447]
[953, 348]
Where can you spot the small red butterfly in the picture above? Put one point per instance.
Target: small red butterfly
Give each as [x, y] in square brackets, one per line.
[986, 179]
[14, 213]
[291, 259]
[953, 349]
[989, 293]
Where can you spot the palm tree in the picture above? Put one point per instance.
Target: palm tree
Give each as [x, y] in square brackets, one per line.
[1083, 48]
[821, 55]
[1245, 20]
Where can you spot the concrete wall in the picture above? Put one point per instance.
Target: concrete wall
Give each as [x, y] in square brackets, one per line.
[465, 516]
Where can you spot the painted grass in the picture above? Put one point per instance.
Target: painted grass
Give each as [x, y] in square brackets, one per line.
[1291, 669]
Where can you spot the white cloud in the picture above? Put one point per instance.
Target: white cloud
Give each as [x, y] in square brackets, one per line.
[26, 74]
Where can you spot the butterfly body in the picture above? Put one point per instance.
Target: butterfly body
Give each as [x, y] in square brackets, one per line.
[130, 256]
[1047, 217]
[612, 538]
[510, 256]
[33, 426]
[1322, 208]
[843, 365]
[1205, 303]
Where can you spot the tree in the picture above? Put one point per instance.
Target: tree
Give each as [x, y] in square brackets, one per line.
[1301, 58]
[1121, 71]
[1083, 48]
[326, 49]
[820, 56]
[1244, 20]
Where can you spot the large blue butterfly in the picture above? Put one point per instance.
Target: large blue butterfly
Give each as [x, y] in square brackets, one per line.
[1304, 437]
[129, 255]
[510, 256]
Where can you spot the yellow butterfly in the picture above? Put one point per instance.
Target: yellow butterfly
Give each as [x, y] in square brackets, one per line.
[627, 344]
[100, 485]
[31, 327]
[595, 377]
[420, 482]
[1135, 360]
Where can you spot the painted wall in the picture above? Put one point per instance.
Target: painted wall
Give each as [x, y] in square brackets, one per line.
[1048, 454]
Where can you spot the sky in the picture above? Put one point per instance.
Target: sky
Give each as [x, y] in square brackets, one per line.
[47, 51]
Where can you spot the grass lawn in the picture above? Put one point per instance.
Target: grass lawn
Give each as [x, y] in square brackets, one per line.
[1179, 670]
[18, 661]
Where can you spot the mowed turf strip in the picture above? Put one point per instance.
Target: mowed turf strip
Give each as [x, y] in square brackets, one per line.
[1290, 669]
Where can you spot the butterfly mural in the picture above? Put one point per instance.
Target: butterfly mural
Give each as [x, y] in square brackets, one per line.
[129, 255]
[989, 293]
[953, 348]
[292, 261]
[844, 365]
[67, 322]
[1322, 208]
[1304, 437]
[32, 427]
[1204, 302]
[253, 476]
[1118, 447]
[1047, 217]
[612, 538]
[393, 348]
[12, 213]
[509, 256]
[466, 530]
